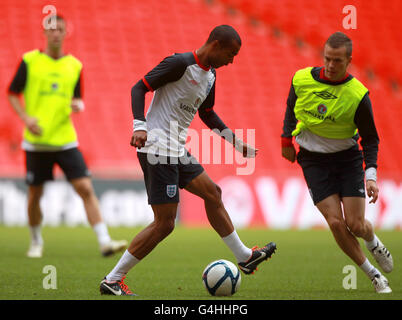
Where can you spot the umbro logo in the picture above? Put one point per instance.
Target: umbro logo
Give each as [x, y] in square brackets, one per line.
[193, 82]
[325, 95]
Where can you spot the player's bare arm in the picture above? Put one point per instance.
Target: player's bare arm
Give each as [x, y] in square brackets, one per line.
[30, 122]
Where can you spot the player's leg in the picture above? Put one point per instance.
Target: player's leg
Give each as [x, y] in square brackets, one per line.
[163, 224]
[351, 182]
[35, 220]
[248, 259]
[146, 240]
[203, 187]
[328, 177]
[354, 210]
[142, 244]
[35, 193]
[74, 167]
[84, 188]
[161, 182]
[39, 166]
[323, 181]
[331, 209]
[351, 176]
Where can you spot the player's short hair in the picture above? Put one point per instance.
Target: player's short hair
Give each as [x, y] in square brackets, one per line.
[224, 34]
[339, 39]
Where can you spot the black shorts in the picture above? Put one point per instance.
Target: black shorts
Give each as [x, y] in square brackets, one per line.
[164, 177]
[333, 173]
[39, 165]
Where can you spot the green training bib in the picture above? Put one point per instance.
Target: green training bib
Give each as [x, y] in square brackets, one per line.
[48, 92]
[324, 109]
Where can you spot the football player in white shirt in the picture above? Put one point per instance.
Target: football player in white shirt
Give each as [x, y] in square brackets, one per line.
[183, 84]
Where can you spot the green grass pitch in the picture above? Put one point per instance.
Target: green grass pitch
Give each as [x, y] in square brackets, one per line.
[308, 265]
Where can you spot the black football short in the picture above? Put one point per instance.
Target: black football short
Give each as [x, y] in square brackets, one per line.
[164, 176]
[39, 165]
[333, 173]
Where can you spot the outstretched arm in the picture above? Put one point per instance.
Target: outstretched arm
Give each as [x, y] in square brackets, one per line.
[213, 122]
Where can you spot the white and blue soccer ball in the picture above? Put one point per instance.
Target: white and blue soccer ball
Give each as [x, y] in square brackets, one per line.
[221, 278]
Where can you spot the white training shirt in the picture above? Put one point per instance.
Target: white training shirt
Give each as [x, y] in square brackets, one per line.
[181, 85]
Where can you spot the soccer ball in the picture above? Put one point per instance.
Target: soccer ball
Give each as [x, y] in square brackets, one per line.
[221, 278]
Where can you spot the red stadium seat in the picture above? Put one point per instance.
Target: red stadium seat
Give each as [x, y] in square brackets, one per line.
[377, 25]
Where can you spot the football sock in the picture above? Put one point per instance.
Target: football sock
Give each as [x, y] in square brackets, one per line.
[126, 262]
[102, 233]
[372, 244]
[369, 269]
[241, 252]
[36, 235]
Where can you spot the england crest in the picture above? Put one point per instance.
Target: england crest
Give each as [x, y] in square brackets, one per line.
[322, 109]
[171, 190]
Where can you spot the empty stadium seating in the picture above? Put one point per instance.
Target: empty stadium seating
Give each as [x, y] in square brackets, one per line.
[376, 36]
[119, 41]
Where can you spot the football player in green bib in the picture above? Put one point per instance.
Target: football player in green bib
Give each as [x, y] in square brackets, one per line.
[328, 110]
[50, 82]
